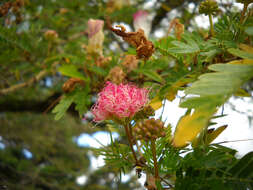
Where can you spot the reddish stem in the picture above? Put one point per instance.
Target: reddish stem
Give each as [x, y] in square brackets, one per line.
[153, 149]
[130, 142]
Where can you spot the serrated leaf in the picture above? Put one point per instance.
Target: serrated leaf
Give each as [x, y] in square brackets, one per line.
[63, 106]
[240, 53]
[204, 101]
[186, 49]
[71, 71]
[81, 100]
[226, 81]
[79, 96]
[182, 47]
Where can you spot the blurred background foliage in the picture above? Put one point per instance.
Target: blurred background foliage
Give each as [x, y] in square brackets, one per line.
[38, 152]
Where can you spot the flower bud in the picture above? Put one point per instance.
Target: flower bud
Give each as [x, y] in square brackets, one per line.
[150, 129]
[51, 34]
[96, 37]
[208, 7]
[130, 62]
[116, 75]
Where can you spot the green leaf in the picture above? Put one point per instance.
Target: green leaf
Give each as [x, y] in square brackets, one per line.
[71, 71]
[203, 101]
[81, 99]
[97, 70]
[226, 81]
[79, 96]
[249, 30]
[181, 47]
[213, 89]
[63, 106]
[243, 168]
[151, 74]
[240, 53]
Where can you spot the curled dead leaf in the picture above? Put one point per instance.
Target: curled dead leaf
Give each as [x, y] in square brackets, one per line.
[69, 85]
[144, 47]
[178, 28]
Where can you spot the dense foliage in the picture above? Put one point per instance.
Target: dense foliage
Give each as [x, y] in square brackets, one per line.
[56, 56]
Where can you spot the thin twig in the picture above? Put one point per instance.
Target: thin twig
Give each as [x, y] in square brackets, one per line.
[245, 6]
[31, 81]
[223, 142]
[130, 143]
[153, 148]
[167, 183]
[52, 104]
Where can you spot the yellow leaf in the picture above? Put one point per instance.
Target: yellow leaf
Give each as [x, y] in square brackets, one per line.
[246, 48]
[241, 92]
[166, 8]
[214, 134]
[156, 103]
[66, 59]
[189, 127]
[242, 61]
[171, 95]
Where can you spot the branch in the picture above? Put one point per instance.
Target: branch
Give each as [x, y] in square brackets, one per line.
[31, 81]
[31, 105]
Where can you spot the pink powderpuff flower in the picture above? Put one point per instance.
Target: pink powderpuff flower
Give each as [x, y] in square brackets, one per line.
[119, 101]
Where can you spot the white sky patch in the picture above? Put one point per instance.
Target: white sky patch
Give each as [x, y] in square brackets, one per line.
[81, 180]
[238, 126]
[95, 140]
[125, 178]
[159, 33]
[203, 21]
[142, 179]
[149, 4]
[97, 163]
[172, 112]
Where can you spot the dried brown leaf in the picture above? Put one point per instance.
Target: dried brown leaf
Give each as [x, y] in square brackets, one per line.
[144, 47]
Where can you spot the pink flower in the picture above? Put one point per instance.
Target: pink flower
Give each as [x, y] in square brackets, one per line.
[119, 101]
